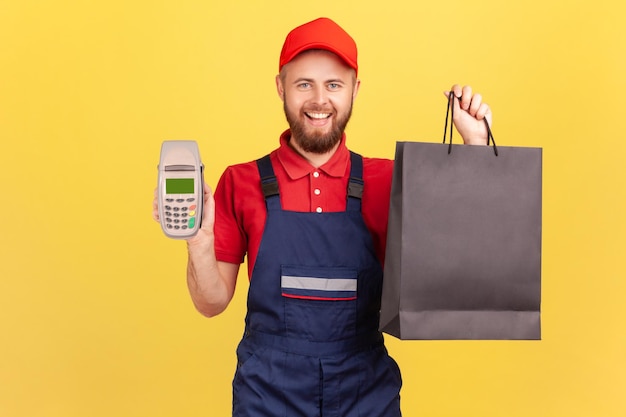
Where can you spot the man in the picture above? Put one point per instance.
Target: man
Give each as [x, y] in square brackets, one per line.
[312, 219]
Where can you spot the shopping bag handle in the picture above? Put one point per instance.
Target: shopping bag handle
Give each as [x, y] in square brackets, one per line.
[450, 113]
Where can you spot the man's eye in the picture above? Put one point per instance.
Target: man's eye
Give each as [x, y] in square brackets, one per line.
[333, 86]
[304, 85]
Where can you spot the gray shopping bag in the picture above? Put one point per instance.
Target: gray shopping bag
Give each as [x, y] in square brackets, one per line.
[463, 258]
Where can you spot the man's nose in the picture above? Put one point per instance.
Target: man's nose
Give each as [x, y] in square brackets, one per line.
[320, 95]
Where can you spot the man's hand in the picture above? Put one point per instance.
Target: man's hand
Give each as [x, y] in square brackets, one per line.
[211, 283]
[469, 114]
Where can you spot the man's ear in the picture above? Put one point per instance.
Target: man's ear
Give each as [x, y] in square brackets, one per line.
[357, 84]
[280, 89]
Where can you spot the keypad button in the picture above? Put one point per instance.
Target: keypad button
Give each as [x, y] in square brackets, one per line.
[180, 212]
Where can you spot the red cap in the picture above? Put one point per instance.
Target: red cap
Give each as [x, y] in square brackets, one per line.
[321, 33]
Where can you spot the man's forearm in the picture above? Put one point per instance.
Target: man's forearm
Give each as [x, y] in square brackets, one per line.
[211, 283]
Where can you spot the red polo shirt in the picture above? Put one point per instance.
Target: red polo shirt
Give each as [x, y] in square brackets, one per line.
[240, 210]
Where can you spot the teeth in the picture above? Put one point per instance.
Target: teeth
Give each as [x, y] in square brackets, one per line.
[318, 115]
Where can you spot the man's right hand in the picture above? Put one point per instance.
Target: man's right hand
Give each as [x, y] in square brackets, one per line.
[211, 283]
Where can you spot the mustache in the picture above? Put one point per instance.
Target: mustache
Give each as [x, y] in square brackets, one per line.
[317, 109]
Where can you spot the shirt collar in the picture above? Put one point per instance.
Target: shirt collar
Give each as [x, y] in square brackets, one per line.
[297, 167]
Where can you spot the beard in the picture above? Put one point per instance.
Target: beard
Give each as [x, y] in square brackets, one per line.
[313, 140]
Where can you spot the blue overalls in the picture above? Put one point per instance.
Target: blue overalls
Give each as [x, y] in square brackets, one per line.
[311, 345]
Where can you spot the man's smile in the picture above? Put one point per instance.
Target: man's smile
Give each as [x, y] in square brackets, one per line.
[312, 115]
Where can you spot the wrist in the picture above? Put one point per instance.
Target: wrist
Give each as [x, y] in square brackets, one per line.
[201, 242]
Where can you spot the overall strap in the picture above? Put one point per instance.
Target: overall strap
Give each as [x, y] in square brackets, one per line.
[269, 184]
[355, 184]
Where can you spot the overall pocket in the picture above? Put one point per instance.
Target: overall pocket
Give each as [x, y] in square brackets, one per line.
[320, 302]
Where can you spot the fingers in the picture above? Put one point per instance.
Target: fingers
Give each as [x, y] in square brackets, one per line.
[456, 89]
[470, 102]
[155, 205]
[482, 111]
[466, 98]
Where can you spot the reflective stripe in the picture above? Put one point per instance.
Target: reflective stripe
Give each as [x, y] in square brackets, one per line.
[319, 284]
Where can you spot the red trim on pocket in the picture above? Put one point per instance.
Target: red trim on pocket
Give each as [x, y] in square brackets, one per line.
[307, 297]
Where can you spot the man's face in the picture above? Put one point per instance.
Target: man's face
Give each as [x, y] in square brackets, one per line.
[317, 89]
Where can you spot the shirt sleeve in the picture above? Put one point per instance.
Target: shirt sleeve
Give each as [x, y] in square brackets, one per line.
[230, 238]
[377, 174]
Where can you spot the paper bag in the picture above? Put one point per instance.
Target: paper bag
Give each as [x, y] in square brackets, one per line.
[463, 258]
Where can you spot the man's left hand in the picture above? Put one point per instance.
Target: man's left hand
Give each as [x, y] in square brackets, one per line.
[469, 114]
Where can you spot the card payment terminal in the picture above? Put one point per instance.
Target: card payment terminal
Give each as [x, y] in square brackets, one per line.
[180, 188]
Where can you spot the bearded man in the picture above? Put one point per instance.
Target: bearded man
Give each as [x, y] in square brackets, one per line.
[311, 217]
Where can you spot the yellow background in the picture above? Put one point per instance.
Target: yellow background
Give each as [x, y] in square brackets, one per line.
[95, 316]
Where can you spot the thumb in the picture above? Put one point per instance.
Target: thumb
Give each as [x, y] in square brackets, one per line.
[447, 94]
[208, 209]
[456, 103]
